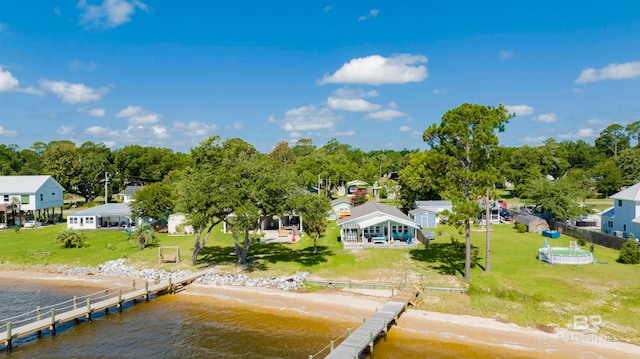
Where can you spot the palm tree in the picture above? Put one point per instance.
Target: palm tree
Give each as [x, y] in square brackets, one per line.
[145, 234]
[70, 238]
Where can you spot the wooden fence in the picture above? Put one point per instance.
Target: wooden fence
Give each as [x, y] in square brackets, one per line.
[594, 237]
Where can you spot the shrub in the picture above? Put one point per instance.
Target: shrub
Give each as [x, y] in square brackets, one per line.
[70, 238]
[630, 252]
[521, 227]
[581, 242]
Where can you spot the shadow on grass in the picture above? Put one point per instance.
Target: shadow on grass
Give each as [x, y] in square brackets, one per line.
[446, 258]
[262, 254]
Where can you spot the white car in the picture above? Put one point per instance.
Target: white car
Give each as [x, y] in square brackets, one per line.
[32, 224]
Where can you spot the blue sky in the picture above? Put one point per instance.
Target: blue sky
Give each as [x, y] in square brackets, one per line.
[372, 74]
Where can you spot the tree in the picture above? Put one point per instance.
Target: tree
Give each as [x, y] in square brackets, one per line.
[613, 139]
[459, 149]
[630, 252]
[608, 178]
[60, 159]
[70, 238]
[558, 197]
[416, 181]
[154, 200]
[144, 234]
[313, 211]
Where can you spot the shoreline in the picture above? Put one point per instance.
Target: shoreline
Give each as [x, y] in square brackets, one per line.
[353, 306]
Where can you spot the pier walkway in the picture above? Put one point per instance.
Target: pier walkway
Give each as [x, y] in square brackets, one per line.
[365, 336]
[83, 308]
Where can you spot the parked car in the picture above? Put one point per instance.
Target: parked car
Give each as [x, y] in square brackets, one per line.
[506, 215]
[32, 224]
[502, 204]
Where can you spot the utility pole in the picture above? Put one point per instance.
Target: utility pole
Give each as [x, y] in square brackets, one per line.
[318, 184]
[106, 187]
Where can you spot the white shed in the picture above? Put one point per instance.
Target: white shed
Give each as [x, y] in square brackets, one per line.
[176, 224]
[110, 215]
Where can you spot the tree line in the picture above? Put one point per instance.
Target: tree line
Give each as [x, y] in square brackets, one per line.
[230, 180]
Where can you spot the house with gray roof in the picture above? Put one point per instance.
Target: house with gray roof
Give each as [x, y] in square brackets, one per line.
[109, 215]
[29, 198]
[374, 222]
[436, 207]
[623, 218]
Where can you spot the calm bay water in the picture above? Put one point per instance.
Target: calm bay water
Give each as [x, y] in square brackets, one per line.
[190, 326]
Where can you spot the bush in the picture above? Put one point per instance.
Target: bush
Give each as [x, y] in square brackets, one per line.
[630, 252]
[521, 228]
[581, 242]
[70, 238]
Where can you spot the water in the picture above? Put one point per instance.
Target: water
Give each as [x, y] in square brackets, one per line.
[192, 326]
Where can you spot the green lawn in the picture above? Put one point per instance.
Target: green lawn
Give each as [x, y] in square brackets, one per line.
[519, 288]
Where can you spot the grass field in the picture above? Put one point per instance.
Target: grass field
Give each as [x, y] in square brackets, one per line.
[519, 288]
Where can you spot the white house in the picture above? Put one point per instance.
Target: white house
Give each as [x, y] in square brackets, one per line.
[109, 215]
[127, 193]
[375, 222]
[37, 197]
[339, 204]
[624, 217]
[435, 207]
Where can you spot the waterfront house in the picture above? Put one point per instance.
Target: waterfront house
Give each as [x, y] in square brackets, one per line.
[30, 198]
[375, 222]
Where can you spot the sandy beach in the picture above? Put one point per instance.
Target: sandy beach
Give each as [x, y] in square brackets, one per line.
[353, 306]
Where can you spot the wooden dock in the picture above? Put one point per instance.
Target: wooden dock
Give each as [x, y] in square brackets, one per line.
[364, 338]
[38, 321]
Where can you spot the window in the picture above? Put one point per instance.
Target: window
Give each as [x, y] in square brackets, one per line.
[6, 198]
[619, 203]
[41, 197]
[24, 199]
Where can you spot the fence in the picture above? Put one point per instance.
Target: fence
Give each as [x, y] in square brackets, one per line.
[598, 238]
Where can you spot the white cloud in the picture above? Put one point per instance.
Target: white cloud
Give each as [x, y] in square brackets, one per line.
[7, 133]
[65, 130]
[385, 115]
[614, 71]
[345, 133]
[97, 112]
[236, 126]
[328, 8]
[439, 91]
[97, 130]
[353, 105]
[295, 134]
[111, 13]
[73, 93]
[8, 83]
[577, 90]
[137, 115]
[307, 118]
[379, 70]
[520, 110]
[84, 66]
[547, 118]
[145, 119]
[581, 133]
[371, 14]
[416, 135]
[405, 128]
[194, 128]
[506, 54]
[130, 111]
